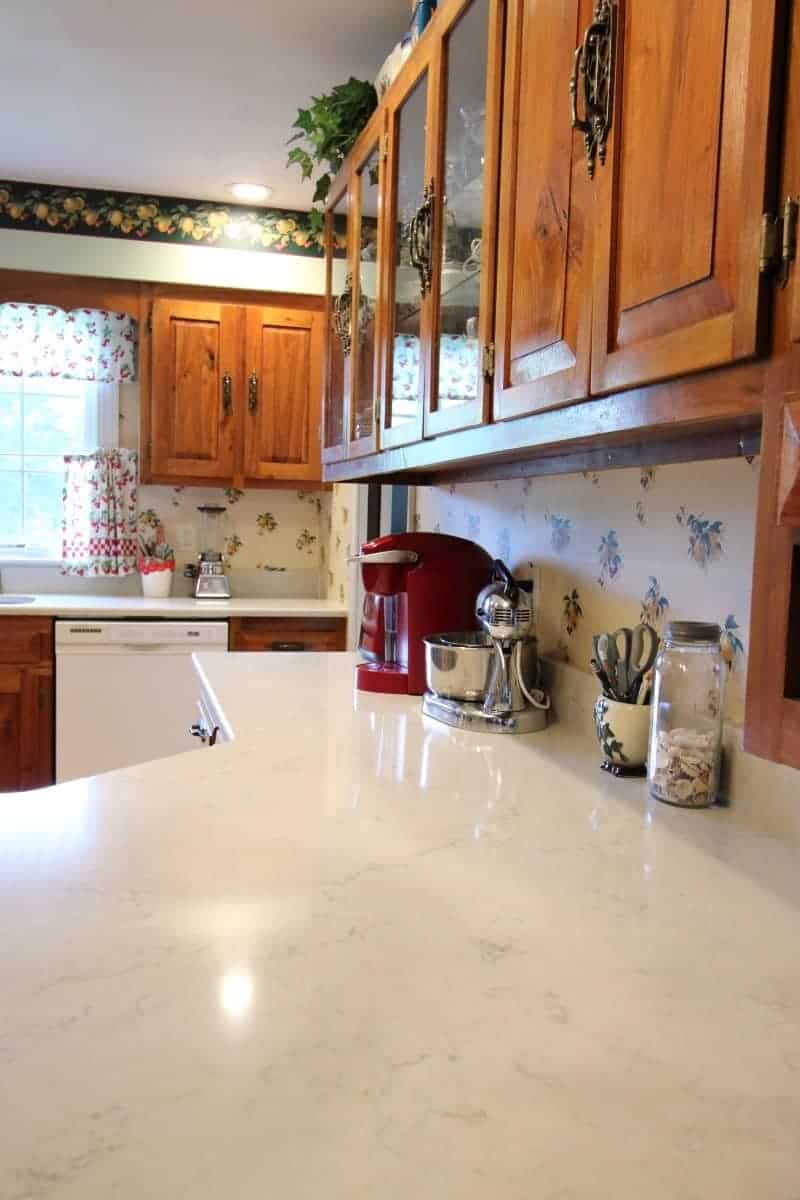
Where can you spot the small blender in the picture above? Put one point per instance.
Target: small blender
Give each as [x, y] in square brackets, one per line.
[210, 581]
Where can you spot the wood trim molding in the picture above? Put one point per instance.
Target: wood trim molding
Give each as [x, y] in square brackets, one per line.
[704, 405]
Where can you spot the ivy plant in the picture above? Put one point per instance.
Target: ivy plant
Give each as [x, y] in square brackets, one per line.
[328, 128]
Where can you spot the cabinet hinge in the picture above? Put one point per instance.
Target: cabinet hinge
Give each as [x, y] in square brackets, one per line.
[487, 362]
[779, 242]
[149, 321]
[385, 146]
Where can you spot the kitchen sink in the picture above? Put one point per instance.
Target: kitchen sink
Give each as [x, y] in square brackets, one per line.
[16, 599]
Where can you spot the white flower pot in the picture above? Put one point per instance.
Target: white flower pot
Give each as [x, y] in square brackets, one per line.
[157, 585]
[623, 731]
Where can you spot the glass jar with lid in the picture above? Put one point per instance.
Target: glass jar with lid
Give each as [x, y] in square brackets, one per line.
[686, 724]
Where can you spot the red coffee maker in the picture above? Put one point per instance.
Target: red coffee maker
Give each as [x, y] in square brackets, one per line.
[416, 584]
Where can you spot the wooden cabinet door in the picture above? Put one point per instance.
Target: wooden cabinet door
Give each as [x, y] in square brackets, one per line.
[288, 633]
[12, 723]
[38, 735]
[26, 727]
[283, 394]
[677, 286]
[197, 363]
[544, 283]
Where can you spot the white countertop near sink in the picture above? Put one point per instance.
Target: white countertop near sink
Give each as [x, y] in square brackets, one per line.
[173, 608]
[356, 954]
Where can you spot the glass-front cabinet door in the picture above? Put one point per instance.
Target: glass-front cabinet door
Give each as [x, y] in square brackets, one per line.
[338, 293]
[409, 250]
[367, 208]
[468, 68]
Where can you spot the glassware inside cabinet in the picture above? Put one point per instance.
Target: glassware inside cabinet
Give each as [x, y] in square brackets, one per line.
[369, 242]
[412, 265]
[339, 286]
[459, 334]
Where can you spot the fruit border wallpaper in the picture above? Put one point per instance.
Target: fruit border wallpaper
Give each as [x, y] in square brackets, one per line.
[40, 207]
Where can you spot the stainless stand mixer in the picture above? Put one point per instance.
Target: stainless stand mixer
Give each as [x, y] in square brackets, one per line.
[489, 681]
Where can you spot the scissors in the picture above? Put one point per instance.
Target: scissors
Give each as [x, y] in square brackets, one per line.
[614, 650]
[643, 653]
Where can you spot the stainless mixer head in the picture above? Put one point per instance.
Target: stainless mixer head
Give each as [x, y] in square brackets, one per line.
[503, 608]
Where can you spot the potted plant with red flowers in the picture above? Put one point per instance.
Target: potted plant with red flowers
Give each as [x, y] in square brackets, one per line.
[156, 558]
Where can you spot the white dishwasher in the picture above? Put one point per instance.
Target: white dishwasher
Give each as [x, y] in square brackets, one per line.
[126, 691]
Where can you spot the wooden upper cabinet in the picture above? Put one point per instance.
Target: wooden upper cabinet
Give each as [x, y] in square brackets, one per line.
[283, 387]
[544, 281]
[679, 203]
[197, 351]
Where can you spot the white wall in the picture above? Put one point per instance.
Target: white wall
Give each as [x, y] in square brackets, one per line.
[159, 262]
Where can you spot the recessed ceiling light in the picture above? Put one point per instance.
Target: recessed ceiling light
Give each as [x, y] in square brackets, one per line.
[251, 192]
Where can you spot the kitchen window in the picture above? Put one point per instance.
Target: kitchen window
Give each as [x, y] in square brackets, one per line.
[41, 420]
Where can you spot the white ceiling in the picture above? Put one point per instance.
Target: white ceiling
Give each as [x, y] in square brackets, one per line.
[177, 97]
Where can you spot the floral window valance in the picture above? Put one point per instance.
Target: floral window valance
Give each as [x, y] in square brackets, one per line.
[87, 343]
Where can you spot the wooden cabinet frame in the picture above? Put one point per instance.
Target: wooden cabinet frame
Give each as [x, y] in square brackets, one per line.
[335, 451]
[374, 137]
[422, 64]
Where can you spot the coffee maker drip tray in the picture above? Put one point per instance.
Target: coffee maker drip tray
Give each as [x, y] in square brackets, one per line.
[382, 677]
[464, 714]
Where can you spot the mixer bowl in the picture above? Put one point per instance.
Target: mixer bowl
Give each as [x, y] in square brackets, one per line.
[458, 665]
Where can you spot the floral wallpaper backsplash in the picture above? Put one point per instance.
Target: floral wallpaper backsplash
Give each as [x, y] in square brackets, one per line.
[262, 530]
[612, 548]
[340, 540]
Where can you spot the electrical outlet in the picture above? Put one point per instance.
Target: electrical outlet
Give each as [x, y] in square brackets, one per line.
[184, 537]
[535, 573]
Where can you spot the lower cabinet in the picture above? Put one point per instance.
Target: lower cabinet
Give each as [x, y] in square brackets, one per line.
[288, 633]
[26, 703]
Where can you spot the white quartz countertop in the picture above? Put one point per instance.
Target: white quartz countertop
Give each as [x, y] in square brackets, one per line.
[353, 954]
[176, 608]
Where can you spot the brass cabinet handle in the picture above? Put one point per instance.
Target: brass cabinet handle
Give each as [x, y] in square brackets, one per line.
[252, 392]
[577, 123]
[342, 317]
[595, 66]
[227, 395]
[420, 239]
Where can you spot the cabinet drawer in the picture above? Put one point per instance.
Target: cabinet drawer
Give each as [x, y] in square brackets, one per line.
[287, 633]
[26, 640]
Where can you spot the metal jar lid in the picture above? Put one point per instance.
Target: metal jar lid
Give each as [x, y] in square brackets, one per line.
[692, 632]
